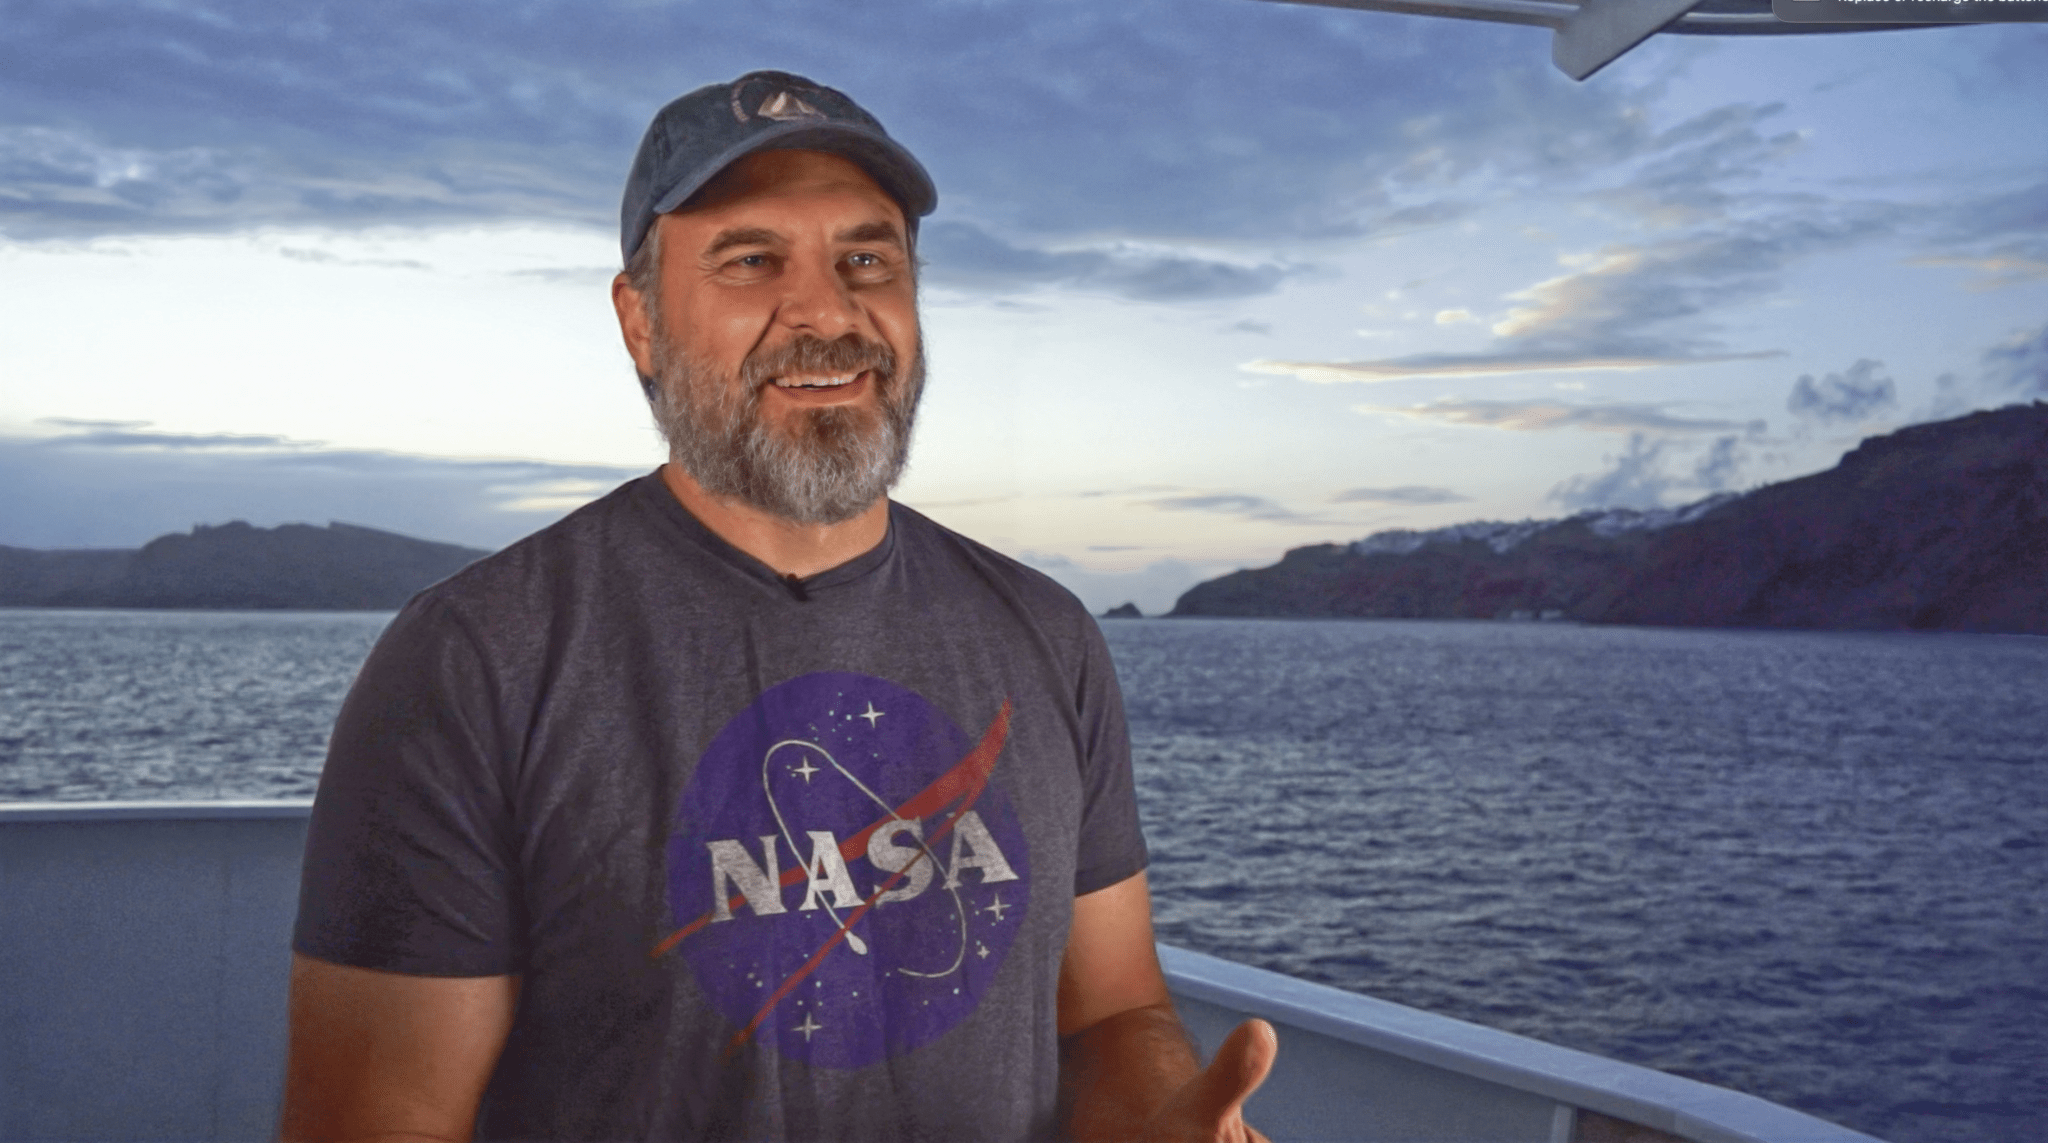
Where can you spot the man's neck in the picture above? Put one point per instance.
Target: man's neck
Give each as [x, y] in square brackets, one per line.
[786, 546]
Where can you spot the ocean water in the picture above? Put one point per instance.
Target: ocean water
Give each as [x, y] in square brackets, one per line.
[151, 705]
[1810, 866]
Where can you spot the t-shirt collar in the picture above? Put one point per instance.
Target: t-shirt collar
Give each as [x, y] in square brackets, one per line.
[652, 489]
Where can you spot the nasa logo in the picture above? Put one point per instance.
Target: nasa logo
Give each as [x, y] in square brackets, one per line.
[846, 879]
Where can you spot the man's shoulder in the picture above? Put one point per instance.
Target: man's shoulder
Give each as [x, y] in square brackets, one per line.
[532, 569]
[1032, 588]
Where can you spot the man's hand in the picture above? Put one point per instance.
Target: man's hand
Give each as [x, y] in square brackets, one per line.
[1210, 1106]
[1128, 1068]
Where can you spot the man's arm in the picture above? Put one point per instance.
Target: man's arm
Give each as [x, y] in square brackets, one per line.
[388, 1057]
[1128, 1069]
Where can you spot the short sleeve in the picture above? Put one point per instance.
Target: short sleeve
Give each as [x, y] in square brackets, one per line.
[410, 864]
[1112, 841]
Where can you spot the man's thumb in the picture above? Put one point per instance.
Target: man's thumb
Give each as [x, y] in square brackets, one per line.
[1240, 1066]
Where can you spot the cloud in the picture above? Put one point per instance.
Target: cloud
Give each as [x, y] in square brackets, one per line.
[1234, 504]
[1720, 467]
[1474, 365]
[2019, 366]
[328, 258]
[576, 275]
[2016, 368]
[1407, 494]
[1852, 395]
[2008, 266]
[1543, 415]
[129, 435]
[1645, 298]
[1037, 117]
[2002, 235]
[1629, 305]
[1692, 169]
[87, 423]
[1421, 216]
[121, 488]
[966, 256]
[1641, 478]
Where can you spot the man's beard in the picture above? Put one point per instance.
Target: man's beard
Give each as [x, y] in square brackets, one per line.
[829, 465]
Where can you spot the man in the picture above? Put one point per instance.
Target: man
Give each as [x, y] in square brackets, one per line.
[745, 803]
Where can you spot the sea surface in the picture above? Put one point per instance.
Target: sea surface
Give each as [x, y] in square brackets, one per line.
[1810, 866]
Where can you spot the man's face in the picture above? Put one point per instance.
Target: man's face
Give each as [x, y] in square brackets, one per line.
[783, 339]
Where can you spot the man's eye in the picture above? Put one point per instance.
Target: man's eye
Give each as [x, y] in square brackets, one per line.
[865, 261]
[752, 261]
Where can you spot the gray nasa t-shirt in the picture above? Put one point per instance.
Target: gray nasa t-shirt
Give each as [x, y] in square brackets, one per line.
[774, 862]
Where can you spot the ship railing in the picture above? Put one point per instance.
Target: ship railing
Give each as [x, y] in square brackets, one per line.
[144, 953]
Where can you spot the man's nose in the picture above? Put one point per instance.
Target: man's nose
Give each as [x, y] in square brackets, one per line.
[819, 301]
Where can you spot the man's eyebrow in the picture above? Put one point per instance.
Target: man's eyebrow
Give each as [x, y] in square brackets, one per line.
[873, 232]
[741, 236]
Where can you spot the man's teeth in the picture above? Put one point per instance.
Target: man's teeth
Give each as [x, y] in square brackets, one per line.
[814, 382]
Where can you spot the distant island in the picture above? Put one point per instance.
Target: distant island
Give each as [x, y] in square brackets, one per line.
[235, 566]
[1935, 527]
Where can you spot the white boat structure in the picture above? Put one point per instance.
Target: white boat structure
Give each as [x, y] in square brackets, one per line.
[1587, 35]
[144, 950]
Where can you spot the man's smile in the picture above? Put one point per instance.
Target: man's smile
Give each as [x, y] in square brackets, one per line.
[823, 388]
[812, 382]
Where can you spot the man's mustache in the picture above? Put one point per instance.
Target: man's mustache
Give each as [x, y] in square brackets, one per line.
[851, 353]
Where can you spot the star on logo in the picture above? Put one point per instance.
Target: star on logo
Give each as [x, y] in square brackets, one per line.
[871, 714]
[808, 1027]
[996, 908]
[806, 770]
[981, 950]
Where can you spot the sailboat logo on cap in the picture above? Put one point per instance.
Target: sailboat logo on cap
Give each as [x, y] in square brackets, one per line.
[783, 106]
[782, 103]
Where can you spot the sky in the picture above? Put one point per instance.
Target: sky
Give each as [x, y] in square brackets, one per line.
[1208, 279]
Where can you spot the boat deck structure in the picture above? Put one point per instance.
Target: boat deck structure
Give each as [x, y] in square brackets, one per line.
[144, 950]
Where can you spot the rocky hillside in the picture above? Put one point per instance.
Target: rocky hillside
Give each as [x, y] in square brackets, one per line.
[235, 566]
[1935, 527]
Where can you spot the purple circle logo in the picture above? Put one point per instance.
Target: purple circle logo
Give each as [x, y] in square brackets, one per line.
[845, 879]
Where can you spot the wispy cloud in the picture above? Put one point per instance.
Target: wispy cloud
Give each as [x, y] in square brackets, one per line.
[2003, 235]
[1235, 504]
[1406, 495]
[1646, 297]
[131, 435]
[1701, 169]
[1627, 306]
[1476, 365]
[1543, 415]
[963, 255]
[119, 487]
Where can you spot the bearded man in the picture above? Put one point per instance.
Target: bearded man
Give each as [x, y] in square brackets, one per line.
[745, 803]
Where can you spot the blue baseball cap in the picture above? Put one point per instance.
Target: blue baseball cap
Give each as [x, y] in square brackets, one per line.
[706, 131]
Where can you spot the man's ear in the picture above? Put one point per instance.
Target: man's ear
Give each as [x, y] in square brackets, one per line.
[631, 307]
